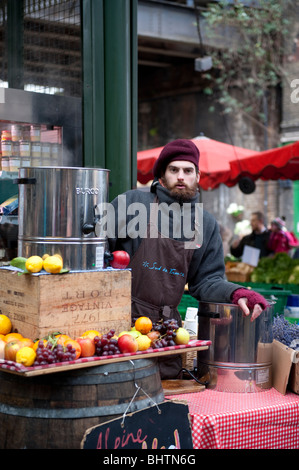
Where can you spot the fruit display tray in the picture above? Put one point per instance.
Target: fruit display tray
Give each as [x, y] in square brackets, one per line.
[15, 368]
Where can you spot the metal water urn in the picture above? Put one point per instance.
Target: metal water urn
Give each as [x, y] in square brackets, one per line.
[57, 214]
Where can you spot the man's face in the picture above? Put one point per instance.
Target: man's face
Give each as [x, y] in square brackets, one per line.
[255, 222]
[181, 179]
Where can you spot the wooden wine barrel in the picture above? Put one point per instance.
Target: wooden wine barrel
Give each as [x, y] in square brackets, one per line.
[53, 411]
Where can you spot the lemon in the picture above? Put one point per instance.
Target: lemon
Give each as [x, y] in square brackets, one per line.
[45, 256]
[5, 325]
[34, 264]
[26, 356]
[53, 264]
[143, 342]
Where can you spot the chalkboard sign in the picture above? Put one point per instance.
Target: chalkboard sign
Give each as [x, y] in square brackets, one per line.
[162, 426]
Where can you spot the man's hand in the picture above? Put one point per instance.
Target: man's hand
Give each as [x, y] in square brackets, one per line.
[247, 300]
[257, 309]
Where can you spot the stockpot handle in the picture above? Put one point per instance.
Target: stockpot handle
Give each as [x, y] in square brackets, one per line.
[209, 314]
[24, 181]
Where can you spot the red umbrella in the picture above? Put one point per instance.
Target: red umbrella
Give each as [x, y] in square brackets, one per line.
[273, 164]
[214, 162]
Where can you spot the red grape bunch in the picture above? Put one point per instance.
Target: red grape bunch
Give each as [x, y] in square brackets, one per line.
[106, 345]
[50, 353]
[167, 330]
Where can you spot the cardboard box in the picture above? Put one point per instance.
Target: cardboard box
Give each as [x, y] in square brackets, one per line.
[237, 271]
[285, 368]
[70, 303]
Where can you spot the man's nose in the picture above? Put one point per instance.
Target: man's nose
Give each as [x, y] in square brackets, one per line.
[181, 174]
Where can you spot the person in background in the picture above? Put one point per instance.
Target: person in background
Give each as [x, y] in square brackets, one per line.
[162, 265]
[258, 238]
[294, 242]
[280, 240]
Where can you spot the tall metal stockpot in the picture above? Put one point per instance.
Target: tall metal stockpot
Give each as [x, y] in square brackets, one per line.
[240, 356]
[57, 207]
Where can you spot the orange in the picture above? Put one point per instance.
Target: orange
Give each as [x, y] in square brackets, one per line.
[5, 324]
[13, 337]
[2, 337]
[91, 334]
[75, 345]
[144, 325]
[62, 338]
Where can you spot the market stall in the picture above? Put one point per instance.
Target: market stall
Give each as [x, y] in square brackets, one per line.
[70, 353]
[250, 418]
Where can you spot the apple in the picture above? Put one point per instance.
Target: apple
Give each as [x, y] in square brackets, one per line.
[11, 349]
[182, 336]
[120, 260]
[27, 342]
[2, 348]
[125, 332]
[127, 343]
[153, 336]
[132, 332]
[88, 347]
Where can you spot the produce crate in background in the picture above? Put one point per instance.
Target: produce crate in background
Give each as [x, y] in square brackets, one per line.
[294, 288]
[237, 271]
[69, 303]
[279, 296]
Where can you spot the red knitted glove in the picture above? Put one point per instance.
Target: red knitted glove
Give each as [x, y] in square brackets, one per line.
[252, 297]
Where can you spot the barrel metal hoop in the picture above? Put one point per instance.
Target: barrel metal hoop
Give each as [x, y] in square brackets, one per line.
[108, 377]
[104, 376]
[75, 413]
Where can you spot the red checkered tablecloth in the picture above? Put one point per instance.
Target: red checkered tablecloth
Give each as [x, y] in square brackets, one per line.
[263, 420]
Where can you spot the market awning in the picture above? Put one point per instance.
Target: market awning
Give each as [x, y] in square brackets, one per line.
[214, 162]
[272, 164]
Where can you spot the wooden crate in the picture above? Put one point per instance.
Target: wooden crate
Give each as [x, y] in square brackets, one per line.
[70, 303]
[237, 271]
[237, 277]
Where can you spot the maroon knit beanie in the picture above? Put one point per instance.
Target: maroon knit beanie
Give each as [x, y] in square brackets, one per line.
[180, 149]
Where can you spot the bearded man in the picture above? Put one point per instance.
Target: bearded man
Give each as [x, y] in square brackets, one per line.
[163, 263]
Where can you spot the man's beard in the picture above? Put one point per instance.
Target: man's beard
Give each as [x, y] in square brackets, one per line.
[182, 195]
